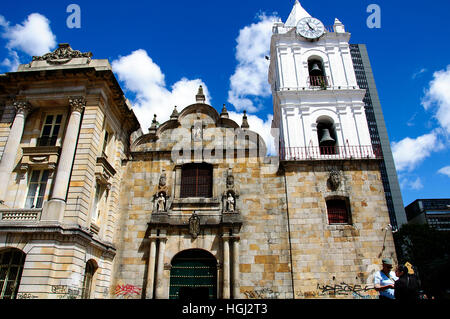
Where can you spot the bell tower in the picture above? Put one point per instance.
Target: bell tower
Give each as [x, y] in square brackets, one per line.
[318, 105]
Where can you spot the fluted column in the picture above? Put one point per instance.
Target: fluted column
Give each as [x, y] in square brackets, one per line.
[236, 287]
[77, 105]
[226, 267]
[160, 269]
[54, 209]
[23, 108]
[151, 269]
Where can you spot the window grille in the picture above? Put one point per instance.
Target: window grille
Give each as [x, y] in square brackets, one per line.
[196, 181]
[338, 211]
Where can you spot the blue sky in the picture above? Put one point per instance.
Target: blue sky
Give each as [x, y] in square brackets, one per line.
[181, 44]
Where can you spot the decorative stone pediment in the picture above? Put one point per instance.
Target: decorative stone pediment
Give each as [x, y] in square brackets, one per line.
[104, 172]
[62, 55]
[41, 157]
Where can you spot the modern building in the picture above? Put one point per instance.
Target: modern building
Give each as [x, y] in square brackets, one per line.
[434, 212]
[93, 208]
[378, 133]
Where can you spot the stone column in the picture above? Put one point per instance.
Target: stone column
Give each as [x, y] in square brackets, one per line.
[23, 108]
[236, 288]
[160, 269]
[55, 207]
[151, 269]
[226, 267]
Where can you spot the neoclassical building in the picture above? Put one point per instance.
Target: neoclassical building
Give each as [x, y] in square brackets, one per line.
[93, 208]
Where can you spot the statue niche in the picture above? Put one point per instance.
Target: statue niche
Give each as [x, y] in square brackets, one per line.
[229, 197]
[230, 203]
[161, 196]
[161, 201]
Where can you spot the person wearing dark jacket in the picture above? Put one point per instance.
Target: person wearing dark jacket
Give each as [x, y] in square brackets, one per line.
[406, 288]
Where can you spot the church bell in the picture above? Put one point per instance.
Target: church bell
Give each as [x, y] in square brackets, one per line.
[316, 69]
[326, 139]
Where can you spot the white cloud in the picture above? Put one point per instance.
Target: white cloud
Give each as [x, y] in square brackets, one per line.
[438, 97]
[13, 62]
[3, 22]
[142, 76]
[33, 37]
[249, 82]
[414, 184]
[445, 171]
[417, 184]
[260, 126]
[419, 73]
[408, 153]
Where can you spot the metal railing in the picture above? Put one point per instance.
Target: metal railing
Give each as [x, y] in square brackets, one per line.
[330, 153]
[319, 81]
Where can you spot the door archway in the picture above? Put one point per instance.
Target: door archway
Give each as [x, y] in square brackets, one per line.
[193, 275]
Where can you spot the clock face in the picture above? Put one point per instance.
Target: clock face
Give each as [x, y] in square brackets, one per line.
[310, 28]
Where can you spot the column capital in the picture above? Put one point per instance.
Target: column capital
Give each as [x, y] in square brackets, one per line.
[22, 107]
[77, 103]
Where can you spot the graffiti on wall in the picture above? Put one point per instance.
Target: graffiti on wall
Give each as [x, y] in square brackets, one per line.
[66, 292]
[127, 291]
[26, 295]
[344, 289]
[264, 293]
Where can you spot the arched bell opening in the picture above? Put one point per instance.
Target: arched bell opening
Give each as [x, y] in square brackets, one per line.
[326, 133]
[316, 71]
[193, 275]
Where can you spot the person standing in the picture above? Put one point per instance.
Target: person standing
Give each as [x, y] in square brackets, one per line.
[406, 288]
[384, 280]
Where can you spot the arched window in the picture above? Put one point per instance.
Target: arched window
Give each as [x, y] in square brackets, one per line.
[11, 267]
[196, 180]
[316, 71]
[326, 134]
[338, 211]
[87, 281]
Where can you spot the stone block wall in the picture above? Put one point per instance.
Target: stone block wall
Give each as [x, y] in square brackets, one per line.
[326, 255]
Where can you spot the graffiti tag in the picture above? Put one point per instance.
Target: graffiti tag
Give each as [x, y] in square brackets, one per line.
[264, 293]
[344, 289]
[127, 290]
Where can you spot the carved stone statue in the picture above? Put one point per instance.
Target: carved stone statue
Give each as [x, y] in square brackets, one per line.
[230, 202]
[335, 179]
[161, 203]
[230, 179]
[62, 55]
[163, 179]
[194, 225]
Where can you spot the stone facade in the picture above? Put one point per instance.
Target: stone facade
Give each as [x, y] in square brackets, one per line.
[282, 214]
[97, 209]
[51, 222]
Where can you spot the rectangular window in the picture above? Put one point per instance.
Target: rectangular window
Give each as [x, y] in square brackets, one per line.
[50, 130]
[97, 198]
[36, 189]
[338, 211]
[196, 181]
[105, 144]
